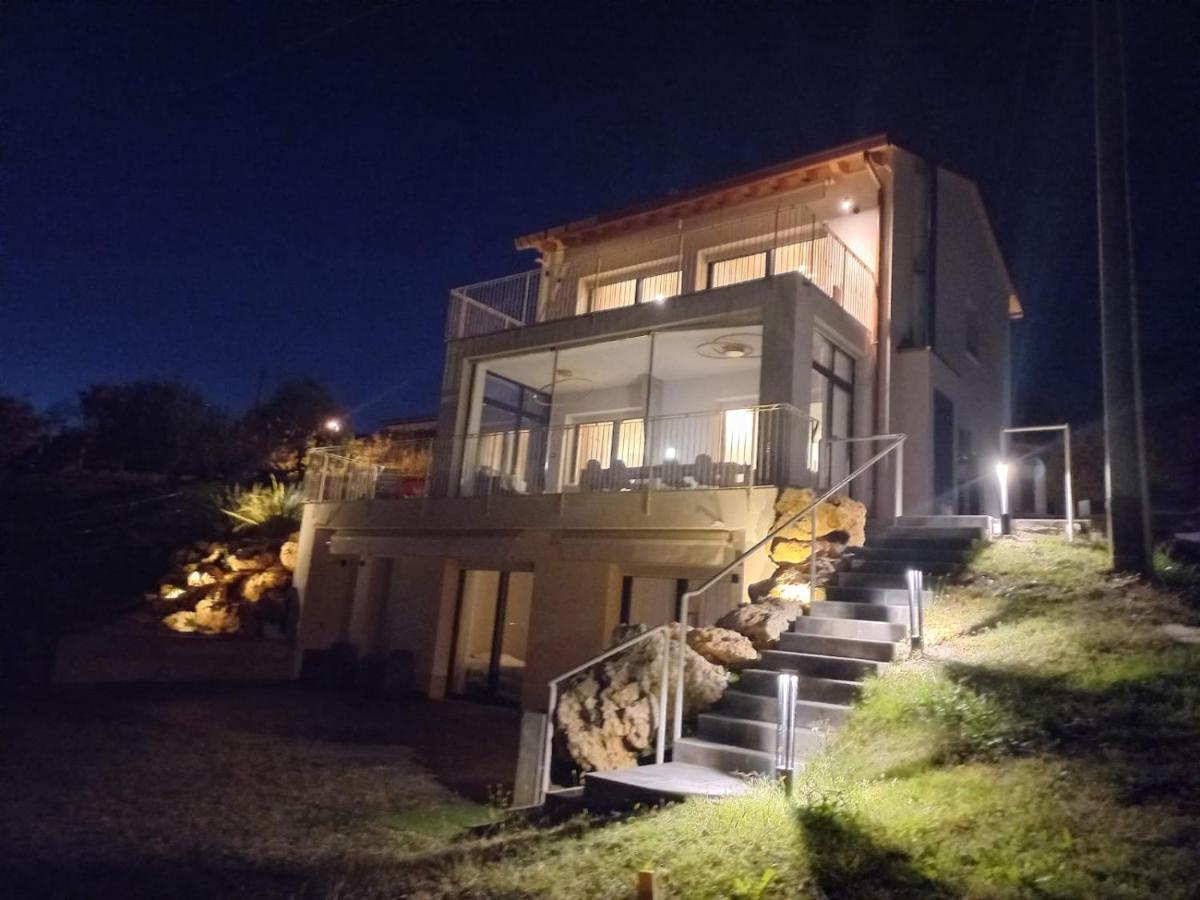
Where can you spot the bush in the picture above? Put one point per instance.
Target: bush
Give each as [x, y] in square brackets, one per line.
[273, 508]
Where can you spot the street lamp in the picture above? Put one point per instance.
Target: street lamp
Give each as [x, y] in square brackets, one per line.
[333, 425]
[1005, 516]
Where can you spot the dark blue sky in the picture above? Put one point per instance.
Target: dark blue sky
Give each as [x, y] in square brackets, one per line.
[207, 190]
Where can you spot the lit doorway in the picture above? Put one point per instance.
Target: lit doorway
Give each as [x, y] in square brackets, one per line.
[491, 635]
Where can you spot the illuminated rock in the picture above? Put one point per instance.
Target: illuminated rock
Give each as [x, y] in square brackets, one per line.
[722, 646]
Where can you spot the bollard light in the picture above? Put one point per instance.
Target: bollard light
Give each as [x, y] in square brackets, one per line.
[787, 686]
[1005, 516]
[916, 607]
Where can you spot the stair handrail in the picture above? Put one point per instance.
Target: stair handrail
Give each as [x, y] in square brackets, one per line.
[660, 749]
[897, 441]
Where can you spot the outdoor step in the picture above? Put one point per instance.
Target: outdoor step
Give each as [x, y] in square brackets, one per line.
[921, 533]
[874, 612]
[921, 542]
[897, 566]
[723, 757]
[563, 803]
[809, 713]
[889, 596]
[623, 789]
[910, 554]
[765, 683]
[854, 629]
[835, 667]
[848, 648]
[981, 524]
[751, 734]
[894, 580]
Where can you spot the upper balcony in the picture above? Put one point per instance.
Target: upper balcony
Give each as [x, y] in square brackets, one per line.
[658, 264]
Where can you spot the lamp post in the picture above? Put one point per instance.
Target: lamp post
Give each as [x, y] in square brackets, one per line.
[332, 425]
[786, 688]
[1005, 515]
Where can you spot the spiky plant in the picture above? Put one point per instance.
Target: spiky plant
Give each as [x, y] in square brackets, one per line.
[273, 507]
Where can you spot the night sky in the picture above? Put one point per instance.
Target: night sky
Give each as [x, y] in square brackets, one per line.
[208, 190]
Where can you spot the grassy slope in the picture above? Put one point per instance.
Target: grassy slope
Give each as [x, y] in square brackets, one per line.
[1043, 747]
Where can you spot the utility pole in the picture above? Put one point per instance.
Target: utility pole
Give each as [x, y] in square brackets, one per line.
[1126, 505]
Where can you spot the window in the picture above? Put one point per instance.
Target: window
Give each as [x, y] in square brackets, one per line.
[513, 418]
[621, 440]
[738, 443]
[737, 270]
[831, 406]
[628, 291]
[491, 632]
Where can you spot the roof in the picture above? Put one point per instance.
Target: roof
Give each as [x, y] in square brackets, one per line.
[785, 176]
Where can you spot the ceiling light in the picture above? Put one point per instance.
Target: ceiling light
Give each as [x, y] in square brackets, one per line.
[734, 351]
[659, 298]
[847, 205]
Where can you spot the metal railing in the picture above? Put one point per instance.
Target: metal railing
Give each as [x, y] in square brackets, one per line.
[896, 441]
[682, 262]
[734, 448]
[660, 743]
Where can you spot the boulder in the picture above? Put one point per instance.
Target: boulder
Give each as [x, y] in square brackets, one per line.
[288, 554]
[838, 513]
[722, 646]
[214, 613]
[184, 621]
[249, 562]
[763, 621]
[608, 716]
[204, 576]
[254, 586]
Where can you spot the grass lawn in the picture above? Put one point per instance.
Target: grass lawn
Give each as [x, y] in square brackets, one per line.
[1044, 745]
[225, 791]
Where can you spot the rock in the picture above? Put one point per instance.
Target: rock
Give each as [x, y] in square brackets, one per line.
[182, 621]
[253, 587]
[838, 513]
[250, 562]
[764, 621]
[722, 646]
[215, 613]
[609, 715]
[203, 576]
[288, 554]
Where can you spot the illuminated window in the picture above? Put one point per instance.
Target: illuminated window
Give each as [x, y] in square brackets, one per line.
[631, 442]
[613, 296]
[659, 287]
[737, 270]
[738, 436]
[628, 291]
[608, 442]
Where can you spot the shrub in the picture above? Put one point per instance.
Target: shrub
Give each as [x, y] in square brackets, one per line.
[273, 507]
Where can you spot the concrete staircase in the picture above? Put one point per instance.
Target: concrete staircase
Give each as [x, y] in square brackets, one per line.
[857, 631]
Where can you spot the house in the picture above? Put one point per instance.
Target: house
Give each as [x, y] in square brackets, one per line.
[615, 424]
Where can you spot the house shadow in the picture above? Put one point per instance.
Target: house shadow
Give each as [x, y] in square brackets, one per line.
[1140, 733]
[848, 864]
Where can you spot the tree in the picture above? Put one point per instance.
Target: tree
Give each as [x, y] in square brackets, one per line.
[153, 426]
[291, 422]
[21, 429]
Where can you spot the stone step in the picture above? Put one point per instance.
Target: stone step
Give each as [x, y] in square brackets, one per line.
[847, 648]
[751, 734]
[765, 683]
[623, 789]
[835, 667]
[921, 533]
[910, 555]
[893, 580]
[854, 629]
[889, 596]
[981, 524]
[809, 713]
[896, 566]
[920, 542]
[875, 612]
[723, 757]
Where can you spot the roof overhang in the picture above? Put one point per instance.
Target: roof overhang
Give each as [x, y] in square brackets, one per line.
[796, 173]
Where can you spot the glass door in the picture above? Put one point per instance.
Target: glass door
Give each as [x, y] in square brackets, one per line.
[491, 632]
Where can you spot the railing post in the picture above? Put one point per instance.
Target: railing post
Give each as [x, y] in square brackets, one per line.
[899, 486]
[660, 749]
[548, 744]
[812, 558]
[677, 729]
[1069, 500]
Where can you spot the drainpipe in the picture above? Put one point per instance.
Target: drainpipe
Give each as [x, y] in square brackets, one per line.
[883, 325]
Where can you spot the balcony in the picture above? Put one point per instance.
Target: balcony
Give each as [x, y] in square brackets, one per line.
[734, 448]
[658, 267]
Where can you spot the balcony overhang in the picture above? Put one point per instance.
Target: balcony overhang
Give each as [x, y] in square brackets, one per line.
[787, 176]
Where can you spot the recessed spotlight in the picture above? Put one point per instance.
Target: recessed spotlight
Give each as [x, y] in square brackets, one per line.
[847, 205]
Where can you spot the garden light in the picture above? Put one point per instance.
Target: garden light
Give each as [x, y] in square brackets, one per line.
[787, 686]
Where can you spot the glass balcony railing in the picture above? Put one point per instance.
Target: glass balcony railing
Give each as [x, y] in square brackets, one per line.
[732, 448]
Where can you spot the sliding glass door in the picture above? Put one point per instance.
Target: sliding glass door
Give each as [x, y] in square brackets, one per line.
[491, 632]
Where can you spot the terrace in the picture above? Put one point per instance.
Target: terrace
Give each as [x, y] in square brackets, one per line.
[679, 261]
